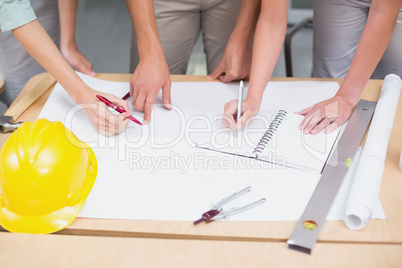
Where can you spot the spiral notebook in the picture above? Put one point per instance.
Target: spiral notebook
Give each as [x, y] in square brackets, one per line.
[273, 137]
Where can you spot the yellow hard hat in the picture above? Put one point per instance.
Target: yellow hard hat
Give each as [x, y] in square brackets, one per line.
[46, 173]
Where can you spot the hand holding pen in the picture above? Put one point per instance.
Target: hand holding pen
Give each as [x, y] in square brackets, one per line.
[116, 108]
[237, 112]
[102, 119]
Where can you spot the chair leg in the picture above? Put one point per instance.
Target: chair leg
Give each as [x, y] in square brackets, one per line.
[288, 41]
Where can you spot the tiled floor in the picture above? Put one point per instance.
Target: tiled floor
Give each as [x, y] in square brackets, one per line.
[104, 34]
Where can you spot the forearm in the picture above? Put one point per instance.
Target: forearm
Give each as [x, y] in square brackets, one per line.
[269, 37]
[41, 47]
[244, 29]
[68, 14]
[372, 45]
[144, 23]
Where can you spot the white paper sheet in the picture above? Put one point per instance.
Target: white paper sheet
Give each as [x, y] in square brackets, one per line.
[368, 177]
[155, 173]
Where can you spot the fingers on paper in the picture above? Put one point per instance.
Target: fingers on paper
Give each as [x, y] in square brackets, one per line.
[229, 114]
[305, 111]
[79, 61]
[120, 103]
[325, 122]
[116, 124]
[121, 123]
[311, 119]
[226, 77]
[150, 101]
[216, 73]
[109, 123]
[110, 130]
[86, 70]
[166, 99]
[334, 125]
[229, 122]
[149, 105]
[232, 75]
[308, 112]
[133, 91]
[85, 66]
[139, 103]
[244, 119]
[134, 95]
[317, 121]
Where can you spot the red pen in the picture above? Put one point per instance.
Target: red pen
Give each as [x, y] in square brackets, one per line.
[116, 108]
[126, 96]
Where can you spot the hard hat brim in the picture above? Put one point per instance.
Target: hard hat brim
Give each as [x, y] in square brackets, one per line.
[44, 224]
[55, 221]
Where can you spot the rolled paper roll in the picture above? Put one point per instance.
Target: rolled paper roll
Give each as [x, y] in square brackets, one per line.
[367, 182]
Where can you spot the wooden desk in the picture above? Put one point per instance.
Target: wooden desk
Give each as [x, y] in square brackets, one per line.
[1, 85]
[125, 242]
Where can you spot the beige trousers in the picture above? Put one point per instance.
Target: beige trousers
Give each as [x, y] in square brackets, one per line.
[338, 26]
[180, 23]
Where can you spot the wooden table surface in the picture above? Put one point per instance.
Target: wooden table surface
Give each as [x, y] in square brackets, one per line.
[225, 244]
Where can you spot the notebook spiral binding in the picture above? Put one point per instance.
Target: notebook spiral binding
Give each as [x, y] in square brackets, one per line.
[280, 116]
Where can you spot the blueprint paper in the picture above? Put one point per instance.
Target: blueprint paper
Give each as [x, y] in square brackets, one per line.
[154, 172]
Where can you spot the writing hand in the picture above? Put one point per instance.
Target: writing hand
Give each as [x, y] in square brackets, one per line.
[104, 121]
[250, 108]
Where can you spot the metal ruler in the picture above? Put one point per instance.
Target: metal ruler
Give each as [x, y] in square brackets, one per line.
[312, 220]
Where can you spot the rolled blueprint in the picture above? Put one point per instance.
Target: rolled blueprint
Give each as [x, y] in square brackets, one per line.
[367, 182]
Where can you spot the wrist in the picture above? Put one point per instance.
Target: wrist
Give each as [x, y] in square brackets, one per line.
[253, 99]
[87, 94]
[240, 39]
[153, 53]
[349, 94]
[153, 57]
[149, 44]
[255, 93]
[68, 46]
[82, 94]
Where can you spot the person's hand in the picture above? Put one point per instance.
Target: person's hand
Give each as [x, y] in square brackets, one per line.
[76, 59]
[249, 108]
[235, 63]
[333, 112]
[149, 77]
[104, 121]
